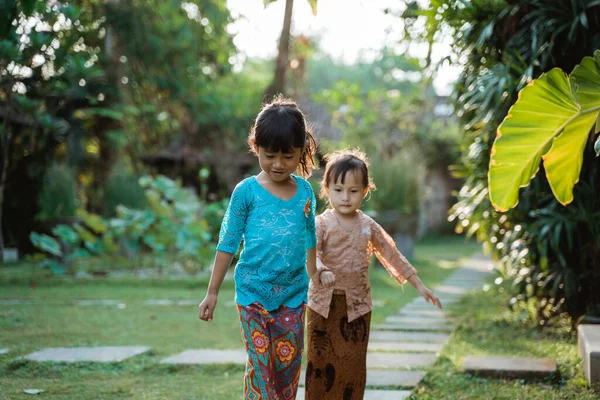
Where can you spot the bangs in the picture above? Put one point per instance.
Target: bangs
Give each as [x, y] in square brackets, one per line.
[342, 169]
[280, 133]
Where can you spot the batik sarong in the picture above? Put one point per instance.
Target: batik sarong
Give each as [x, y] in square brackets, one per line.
[274, 343]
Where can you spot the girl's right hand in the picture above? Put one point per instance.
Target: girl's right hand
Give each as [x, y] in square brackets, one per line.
[327, 279]
[207, 308]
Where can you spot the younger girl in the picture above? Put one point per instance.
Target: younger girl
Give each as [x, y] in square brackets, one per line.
[339, 314]
[273, 212]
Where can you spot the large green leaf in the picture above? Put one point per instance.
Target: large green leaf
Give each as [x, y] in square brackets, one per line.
[552, 120]
[46, 243]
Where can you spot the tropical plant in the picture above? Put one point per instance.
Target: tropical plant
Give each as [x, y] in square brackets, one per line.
[88, 82]
[501, 46]
[173, 227]
[551, 120]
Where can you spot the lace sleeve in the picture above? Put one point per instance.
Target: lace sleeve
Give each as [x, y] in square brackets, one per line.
[234, 221]
[387, 253]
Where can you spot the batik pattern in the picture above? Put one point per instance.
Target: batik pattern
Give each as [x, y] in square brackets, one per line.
[274, 343]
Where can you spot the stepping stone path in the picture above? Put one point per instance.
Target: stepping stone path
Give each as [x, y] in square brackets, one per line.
[509, 367]
[99, 302]
[397, 350]
[419, 328]
[207, 356]
[14, 301]
[387, 378]
[394, 336]
[409, 341]
[97, 354]
[372, 394]
[405, 347]
[169, 302]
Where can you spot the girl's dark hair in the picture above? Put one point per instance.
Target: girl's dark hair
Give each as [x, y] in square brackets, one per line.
[339, 163]
[279, 127]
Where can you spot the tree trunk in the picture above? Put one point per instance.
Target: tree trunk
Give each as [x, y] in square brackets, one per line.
[281, 63]
[108, 154]
[4, 142]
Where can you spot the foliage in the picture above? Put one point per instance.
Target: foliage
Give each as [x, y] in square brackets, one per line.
[58, 196]
[172, 227]
[48, 74]
[501, 46]
[398, 180]
[401, 134]
[551, 120]
[9, 10]
[388, 71]
[122, 188]
[89, 82]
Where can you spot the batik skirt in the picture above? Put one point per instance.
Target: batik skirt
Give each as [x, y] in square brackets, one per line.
[336, 353]
[274, 342]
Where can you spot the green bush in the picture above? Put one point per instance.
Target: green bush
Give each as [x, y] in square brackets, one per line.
[173, 227]
[398, 180]
[123, 189]
[58, 197]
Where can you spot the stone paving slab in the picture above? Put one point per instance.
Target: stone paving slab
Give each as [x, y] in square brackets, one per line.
[400, 360]
[509, 367]
[405, 347]
[414, 327]
[467, 284]
[4, 350]
[449, 289]
[588, 342]
[445, 300]
[419, 337]
[372, 394]
[14, 301]
[170, 302]
[207, 356]
[96, 354]
[422, 307]
[98, 302]
[383, 378]
[414, 319]
[438, 315]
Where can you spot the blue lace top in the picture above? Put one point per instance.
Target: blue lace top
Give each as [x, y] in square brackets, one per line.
[272, 265]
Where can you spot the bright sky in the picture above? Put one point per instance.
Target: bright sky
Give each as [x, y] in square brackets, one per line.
[357, 32]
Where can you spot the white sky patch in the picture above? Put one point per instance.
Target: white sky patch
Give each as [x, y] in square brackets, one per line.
[358, 32]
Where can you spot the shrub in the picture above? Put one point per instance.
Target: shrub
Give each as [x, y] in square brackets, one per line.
[58, 197]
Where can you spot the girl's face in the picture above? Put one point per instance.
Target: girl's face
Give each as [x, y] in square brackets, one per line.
[277, 165]
[346, 197]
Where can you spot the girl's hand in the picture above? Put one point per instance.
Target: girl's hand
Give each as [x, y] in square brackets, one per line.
[327, 279]
[430, 297]
[207, 308]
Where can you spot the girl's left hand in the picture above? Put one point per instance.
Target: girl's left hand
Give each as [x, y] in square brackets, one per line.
[430, 297]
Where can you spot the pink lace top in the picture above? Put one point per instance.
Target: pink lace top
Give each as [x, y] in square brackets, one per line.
[347, 253]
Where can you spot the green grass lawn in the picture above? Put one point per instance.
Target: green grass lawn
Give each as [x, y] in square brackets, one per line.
[52, 319]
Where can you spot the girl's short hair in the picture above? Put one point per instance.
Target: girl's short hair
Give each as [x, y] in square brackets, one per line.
[281, 126]
[339, 163]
